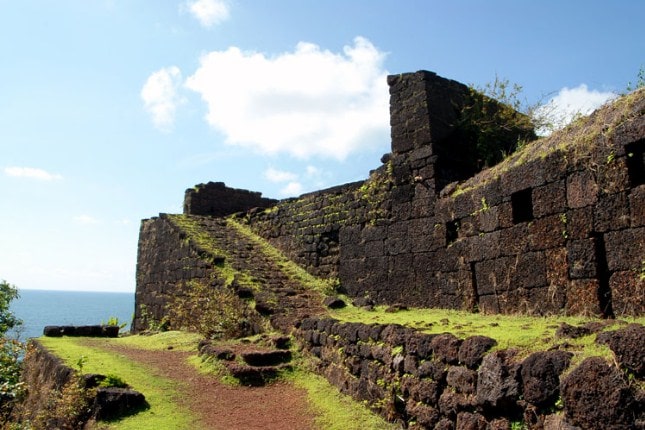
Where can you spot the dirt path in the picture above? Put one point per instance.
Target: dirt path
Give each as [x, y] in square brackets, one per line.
[279, 406]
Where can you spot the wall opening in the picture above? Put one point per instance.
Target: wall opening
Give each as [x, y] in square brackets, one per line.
[602, 269]
[452, 231]
[522, 205]
[636, 162]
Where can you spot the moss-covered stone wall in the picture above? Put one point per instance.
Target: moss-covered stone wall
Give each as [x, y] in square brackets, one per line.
[439, 381]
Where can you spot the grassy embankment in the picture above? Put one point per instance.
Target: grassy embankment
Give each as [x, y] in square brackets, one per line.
[526, 333]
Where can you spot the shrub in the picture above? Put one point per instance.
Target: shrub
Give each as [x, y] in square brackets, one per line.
[11, 351]
[214, 312]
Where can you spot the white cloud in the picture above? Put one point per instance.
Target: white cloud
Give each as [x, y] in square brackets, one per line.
[31, 173]
[309, 102]
[275, 175]
[208, 12]
[292, 189]
[86, 220]
[161, 97]
[570, 103]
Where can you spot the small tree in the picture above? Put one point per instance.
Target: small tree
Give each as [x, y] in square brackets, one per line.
[11, 351]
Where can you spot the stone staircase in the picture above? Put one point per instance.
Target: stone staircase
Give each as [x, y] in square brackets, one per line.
[281, 299]
[253, 364]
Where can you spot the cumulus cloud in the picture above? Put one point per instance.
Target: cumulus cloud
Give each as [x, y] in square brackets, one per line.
[31, 173]
[570, 103]
[161, 97]
[208, 12]
[275, 175]
[309, 102]
[293, 188]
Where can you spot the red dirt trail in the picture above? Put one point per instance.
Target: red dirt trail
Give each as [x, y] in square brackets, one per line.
[278, 406]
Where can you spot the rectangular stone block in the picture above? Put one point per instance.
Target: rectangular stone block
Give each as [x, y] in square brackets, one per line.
[528, 175]
[625, 249]
[372, 233]
[637, 206]
[581, 258]
[549, 199]
[578, 223]
[514, 240]
[529, 271]
[612, 175]
[488, 219]
[628, 293]
[556, 267]
[582, 189]
[505, 214]
[611, 213]
[493, 276]
[484, 247]
[547, 232]
[582, 297]
[554, 166]
[426, 235]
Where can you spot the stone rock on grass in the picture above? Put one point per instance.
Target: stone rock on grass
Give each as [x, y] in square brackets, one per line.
[334, 303]
[541, 376]
[572, 332]
[114, 402]
[473, 349]
[629, 346]
[446, 348]
[498, 383]
[596, 396]
[462, 380]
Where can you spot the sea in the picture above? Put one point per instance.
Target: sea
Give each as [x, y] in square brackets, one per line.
[40, 308]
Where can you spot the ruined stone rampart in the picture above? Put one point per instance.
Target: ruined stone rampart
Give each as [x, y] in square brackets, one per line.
[216, 199]
[166, 262]
[558, 226]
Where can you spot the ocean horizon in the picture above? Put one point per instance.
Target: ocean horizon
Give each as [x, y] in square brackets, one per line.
[40, 308]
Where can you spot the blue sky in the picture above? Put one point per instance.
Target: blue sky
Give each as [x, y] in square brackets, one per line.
[110, 109]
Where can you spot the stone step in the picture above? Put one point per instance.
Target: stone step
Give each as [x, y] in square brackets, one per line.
[255, 375]
[266, 358]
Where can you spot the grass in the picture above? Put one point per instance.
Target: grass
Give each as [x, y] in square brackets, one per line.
[526, 333]
[176, 340]
[334, 410]
[160, 392]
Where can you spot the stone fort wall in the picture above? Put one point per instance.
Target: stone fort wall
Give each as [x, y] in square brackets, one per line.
[559, 226]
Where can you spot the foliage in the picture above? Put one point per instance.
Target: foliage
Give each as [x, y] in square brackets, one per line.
[112, 380]
[8, 320]
[214, 312]
[11, 351]
[151, 323]
[114, 321]
[493, 124]
[67, 408]
[640, 80]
